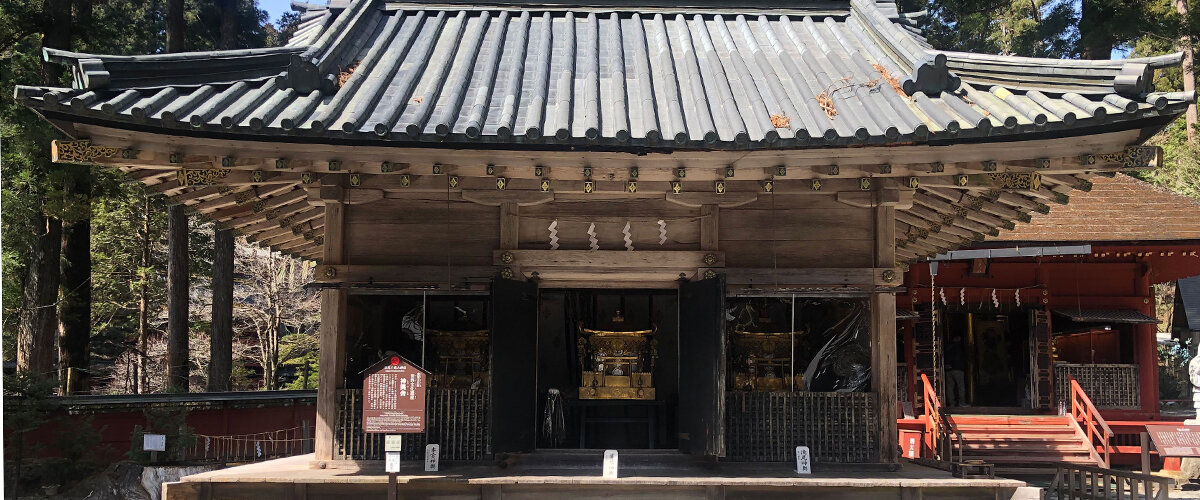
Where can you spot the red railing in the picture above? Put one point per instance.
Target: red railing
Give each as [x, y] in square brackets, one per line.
[1096, 432]
[938, 443]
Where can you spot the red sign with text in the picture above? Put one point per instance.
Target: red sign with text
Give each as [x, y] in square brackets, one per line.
[394, 396]
[1175, 440]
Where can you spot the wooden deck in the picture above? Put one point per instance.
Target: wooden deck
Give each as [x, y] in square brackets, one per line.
[297, 478]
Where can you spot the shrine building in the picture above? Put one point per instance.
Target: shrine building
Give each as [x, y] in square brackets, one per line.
[643, 226]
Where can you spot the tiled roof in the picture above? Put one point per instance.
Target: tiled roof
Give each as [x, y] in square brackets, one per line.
[1116, 209]
[711, 77]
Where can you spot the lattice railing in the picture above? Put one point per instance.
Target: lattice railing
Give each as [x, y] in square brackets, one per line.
[457, 420]
[768, 426]
[251, 447]
[1108, 385]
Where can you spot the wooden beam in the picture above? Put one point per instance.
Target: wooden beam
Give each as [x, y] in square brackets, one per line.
[613, 259]
[888, 197]
[402, 274]
[856, 277]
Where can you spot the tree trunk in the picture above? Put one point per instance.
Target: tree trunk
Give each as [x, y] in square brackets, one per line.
[229, 24]
[220, 365]
[56, 36]
[1095, 38]
[143, 302]
[75, 320]
[1189, 73]
[175, 26]
[38, 321]
[177, 299]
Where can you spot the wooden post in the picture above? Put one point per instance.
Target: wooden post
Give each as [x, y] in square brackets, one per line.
[710, 224]
[333, 328]
[1145, 437]
[177, 299]
[220, 366]
[883, 338]
[510, 226]
[1146, 344]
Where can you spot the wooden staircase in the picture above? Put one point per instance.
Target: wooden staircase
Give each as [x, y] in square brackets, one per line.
[1017, 444]
[1023, 443]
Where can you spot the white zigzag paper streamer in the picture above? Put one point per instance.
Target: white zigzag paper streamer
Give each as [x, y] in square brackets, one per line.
[995, 301]
[962, 296]
[553, 235]
[592, 236]
[662, 232]
[1017, 297]
[942, 295]
[628, 238]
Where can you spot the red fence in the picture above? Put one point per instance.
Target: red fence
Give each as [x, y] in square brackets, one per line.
[226, 414]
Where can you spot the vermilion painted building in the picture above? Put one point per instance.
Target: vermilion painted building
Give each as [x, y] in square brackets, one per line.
[1070, 293]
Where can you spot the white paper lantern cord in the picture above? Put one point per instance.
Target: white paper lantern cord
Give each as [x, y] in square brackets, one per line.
[662, 231]
[628, 238]
[995, 300]
[592, 236]
[553, 235]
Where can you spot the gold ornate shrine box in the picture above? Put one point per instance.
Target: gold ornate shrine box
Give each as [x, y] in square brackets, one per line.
[617, 364]
[763, 361]
[461, 359]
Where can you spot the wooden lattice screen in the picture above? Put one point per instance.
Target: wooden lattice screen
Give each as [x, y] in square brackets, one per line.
[840, 427]
[1108, 385]
[457, 420]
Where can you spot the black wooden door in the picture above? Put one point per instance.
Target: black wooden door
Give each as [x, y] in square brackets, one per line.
[702, 367]
[513, 409]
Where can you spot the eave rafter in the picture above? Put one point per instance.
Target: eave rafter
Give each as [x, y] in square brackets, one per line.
[949, 204]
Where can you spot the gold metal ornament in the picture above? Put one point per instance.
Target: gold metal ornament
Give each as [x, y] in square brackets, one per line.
[864, 183]
[308, 177]
[989, 166]
[729, 172]
[960, 180]
[681, 172]
[405, 180]
[201, 176]
[452, 181]
[676, 187]
[507, 257]
[914, 182]
[539, 171]
[709, 274]
[228, 161]
[1041, 163]
[781, 171]
[815, 185]
[768, 186]
[631, 186]
[885, 169]
[355, 180]
[545, 185]
[937, 167]
[507, 273]
[335, 165]
[175, 157]
[258, 176]
[330, 272]
[501, 183]
[587, 172]
[490, 169]
[835, 170]
[633, 172]
[1031, 181]
[719, 187]
[710, 259]
[589, 187]
[281, 163]
[437, 169]
[385, 167]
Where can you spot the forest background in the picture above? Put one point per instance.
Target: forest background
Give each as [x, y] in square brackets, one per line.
[84, 250]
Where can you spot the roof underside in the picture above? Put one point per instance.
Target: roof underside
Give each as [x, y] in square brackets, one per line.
[689, 82]
[711, 79]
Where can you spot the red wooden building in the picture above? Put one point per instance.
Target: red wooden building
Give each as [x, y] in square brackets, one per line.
[1071, 294]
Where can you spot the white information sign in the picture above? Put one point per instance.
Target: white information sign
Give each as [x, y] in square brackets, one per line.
[432, 455]
[154, 442]
[391, 442]
[610, 464]
[803, 460]
[391, 461]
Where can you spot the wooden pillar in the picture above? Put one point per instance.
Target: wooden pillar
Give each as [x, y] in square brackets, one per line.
[177, 299]
[710, 225]
[510, 226]
[220, 365]
[883, 337]
[334, 303]
[1146, 343]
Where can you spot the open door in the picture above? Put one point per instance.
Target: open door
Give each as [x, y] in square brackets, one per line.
[702, 367]
[513, 402]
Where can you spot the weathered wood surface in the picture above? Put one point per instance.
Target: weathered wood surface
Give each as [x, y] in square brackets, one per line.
[838, 427]
[178, 366]
[883, 337]
[334, 326]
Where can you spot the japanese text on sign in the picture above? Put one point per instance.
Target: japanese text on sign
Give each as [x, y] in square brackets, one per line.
[394, 397]
[1176, 440]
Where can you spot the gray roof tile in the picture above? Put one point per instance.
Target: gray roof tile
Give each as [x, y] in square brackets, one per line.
[712, 78]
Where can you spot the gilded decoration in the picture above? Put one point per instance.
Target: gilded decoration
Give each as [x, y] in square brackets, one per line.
[835, 170]
[937, 167]
[989, 166]
[545, 185]
[914, 182]
[676, 187]
[768, 186]
[1134, 157]
[617, 364]
[82, 151]
[885, 168]
[1031, 181]
[461, 358]
[761, 354]
[201, 176]
[781, 171]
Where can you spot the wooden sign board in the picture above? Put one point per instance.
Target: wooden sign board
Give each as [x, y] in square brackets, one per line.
[1176, 440]
[394, 396]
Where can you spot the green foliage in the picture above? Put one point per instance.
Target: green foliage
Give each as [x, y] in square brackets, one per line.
[1173, 380]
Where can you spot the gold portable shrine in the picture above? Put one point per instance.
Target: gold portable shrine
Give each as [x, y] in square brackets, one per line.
[617, 364]
[763, 361]
[461, 358]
